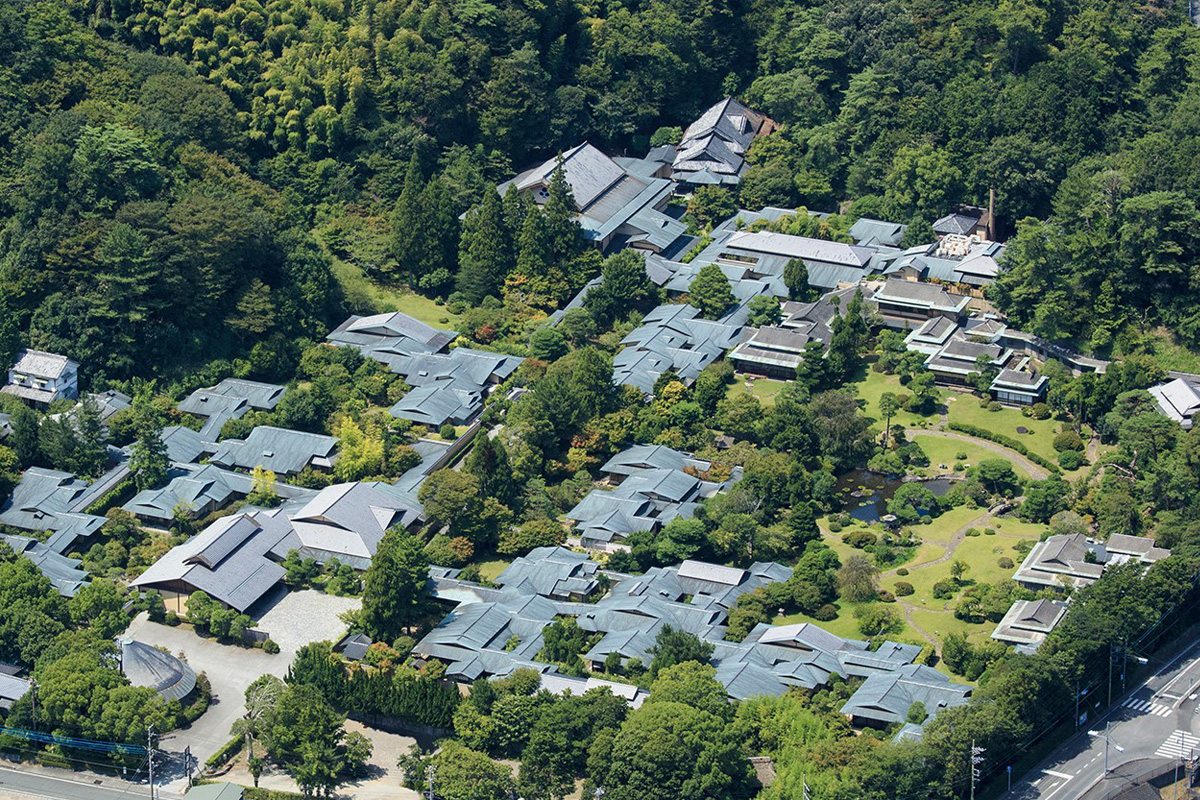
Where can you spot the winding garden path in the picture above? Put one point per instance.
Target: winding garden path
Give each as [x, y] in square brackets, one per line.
[955, 540]
[1032, 469]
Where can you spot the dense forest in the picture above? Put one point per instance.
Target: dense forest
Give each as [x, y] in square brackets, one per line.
[179, 176]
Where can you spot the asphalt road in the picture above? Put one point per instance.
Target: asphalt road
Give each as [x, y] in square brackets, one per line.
[28, 784]
[1156, 724]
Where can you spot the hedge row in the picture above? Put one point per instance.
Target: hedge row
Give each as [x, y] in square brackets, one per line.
[1010, 443]
[110, 498]
[227, 751]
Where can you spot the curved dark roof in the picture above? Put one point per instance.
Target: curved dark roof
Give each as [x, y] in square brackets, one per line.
[155, 669]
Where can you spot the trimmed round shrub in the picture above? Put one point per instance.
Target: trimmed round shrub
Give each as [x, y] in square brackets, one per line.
[1005, 563]
[971, 532]
[989, 531]
[826, 613]
[448, 432]
[944, 590]
[994, 406]
[886, 597]
[902, 571]
[960, 456]
[1039, 411]
[835, 527]
[904, 589]
[859, 539]
[171, 619]
[1071, 459]
[959, 466]
[1068, 440]
[270, 646]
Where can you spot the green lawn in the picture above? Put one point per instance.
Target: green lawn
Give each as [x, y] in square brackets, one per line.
[764, 389]
[874, 385]
[365, 296]
[946, 451]
[965, 409]
[488, 570]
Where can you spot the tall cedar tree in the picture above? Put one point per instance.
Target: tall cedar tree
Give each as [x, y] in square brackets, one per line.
[395, 595]
[149, 461]
[489, 463]
[485, 255]
[566, 237]
[408, 223]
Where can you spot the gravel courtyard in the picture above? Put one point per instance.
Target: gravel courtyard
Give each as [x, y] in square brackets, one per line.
[292, 620]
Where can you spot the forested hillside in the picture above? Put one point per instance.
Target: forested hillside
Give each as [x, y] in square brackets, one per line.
[166, 163]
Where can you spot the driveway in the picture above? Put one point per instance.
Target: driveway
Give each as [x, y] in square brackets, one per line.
[293, 620]
[382, 781]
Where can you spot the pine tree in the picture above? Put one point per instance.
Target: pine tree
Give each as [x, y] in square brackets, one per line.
[125, 299]
[439, 248]
[25, 439]
[90, 454]
[625, 288]
[485, 251]
[534, 256]
[148, 460]
[813, 370]
[255, 310]
[795, 277]
[395, 592]
[710, 292]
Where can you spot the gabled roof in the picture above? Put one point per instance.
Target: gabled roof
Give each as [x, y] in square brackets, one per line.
[588, 172]
[42, 501]
[64, 573]
[920, 295]
[1178, 399]
[40, 364]
[789, 246]
[868, 232]
[391, 332]
[956, 224]
[227, 560]
[283, 451]
[886, 697]
[348, 520]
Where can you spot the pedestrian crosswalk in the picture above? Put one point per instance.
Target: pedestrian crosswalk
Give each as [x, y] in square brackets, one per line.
[1179, 744]
[1145, 706]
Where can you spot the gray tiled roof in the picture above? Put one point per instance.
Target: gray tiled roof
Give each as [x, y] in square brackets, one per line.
[41, 364]
[150, 667]
[283, 451]
[228, 560]
[42, 501]
[886, 697]
[63, 572]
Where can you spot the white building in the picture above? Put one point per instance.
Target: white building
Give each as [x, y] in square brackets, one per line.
[42, 378]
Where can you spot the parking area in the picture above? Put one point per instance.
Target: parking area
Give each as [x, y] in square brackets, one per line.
[293, 619]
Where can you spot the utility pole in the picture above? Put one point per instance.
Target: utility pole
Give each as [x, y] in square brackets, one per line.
[1106, 725]
[33, 695]
[976, 760]
[150, 757]
[431, 774]
[1110, 660]
[1076, 704]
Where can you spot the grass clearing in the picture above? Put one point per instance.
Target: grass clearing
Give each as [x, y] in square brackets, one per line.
[490, 569]
[872, 387]
[965, 408]
[946, 451]
[765, 390]
[365, 296]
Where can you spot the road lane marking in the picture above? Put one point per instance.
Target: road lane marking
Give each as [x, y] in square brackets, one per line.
[1062, 775]
[1179, 744]
[1147, 707]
